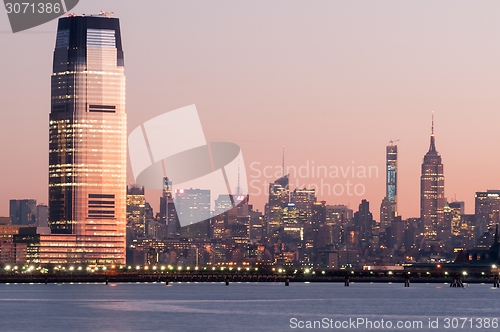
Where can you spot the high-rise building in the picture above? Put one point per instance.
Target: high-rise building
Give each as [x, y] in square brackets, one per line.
[291, 221]
[386, 214]
[487, 210]
[337, 217]
[23, 211]
[168, 213]
[339, 214]
[391, 182]
[42, 215]
[317, 234]
[136, 211]
[87, 140]
[363, 222]
[432, 200]
[291, 214]
[192, 205]
[278, 198]
[223, 203]
[304, 200]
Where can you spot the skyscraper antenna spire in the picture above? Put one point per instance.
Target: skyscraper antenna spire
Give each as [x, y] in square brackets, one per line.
[238, 189]
[283, 163]
[432, 126]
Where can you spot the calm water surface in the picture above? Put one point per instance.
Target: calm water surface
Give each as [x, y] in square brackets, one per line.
[237, 307]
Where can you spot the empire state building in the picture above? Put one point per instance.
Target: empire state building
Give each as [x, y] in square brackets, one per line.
[432, 200]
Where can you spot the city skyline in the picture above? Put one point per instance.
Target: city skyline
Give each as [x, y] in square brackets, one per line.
[142, 210]
[463, 108]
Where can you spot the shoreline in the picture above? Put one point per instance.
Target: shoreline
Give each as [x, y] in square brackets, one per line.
[211, 278]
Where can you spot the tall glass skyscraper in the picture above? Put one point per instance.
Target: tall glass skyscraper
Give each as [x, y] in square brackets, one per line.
[87, 140]
[432, 200]
[391, 189]
[389, 207]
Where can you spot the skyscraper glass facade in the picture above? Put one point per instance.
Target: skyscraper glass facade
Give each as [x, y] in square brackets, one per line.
[391, 177]
[87, 139]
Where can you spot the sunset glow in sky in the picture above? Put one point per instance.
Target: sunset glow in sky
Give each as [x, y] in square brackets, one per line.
[332, 81]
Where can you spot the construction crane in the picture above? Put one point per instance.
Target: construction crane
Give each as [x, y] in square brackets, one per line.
[391, 142]
[107, 14]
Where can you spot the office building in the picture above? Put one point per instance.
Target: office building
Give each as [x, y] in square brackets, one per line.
[136, 211]
[487, 210]
[364, 223]
[42, 215]
[22, 211]
[304, 200]
[432, 200]
[277, 200]
[87, 142]
[391, 181]
[168, 212]
[192, 205]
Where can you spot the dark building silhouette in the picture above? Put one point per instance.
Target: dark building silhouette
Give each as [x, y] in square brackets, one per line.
[136, 211]
[481, 256]
[278, 198]
[364, 223]
[386, 214]
[168, 213]
[22, 211]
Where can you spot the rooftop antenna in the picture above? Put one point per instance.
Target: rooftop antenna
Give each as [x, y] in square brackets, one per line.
[283, 163]
[391, 142]
[432, 128]
[238, 189]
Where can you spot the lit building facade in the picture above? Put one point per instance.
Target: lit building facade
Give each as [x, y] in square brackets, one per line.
[278, 198]
[42, 215]
[87, 142]
[168, 213]
[487, 210]
[391, 183]
[304, 199]
[192, 205]
[432, 200]
[386, 214]
[136, 211]
[364, 223]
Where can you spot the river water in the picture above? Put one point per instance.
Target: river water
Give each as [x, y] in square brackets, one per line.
[247, 307]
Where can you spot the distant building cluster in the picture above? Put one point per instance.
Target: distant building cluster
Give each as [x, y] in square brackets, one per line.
[298, 230]
[92, 217]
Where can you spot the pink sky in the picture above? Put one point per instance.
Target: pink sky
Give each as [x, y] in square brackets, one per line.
[332, 81]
